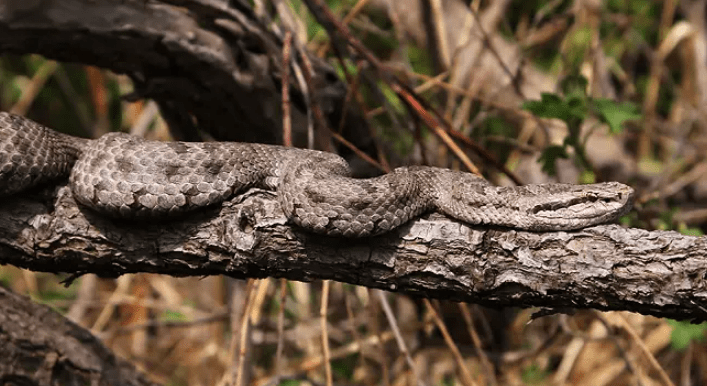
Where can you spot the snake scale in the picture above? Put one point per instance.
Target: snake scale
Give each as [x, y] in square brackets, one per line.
[120, 175]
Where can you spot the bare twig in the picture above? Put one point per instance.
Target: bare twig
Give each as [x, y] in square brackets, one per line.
[325, 333]
[286, 118]
[465, 375]
[490, 376]
[392, 321]
[30, 91]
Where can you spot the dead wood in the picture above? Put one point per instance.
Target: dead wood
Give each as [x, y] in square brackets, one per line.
[40, 347]
[210, 67]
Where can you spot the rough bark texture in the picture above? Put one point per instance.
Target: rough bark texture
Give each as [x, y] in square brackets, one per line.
[40, 347]
[604, 267]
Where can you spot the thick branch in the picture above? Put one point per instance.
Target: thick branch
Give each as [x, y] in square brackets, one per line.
[40, 347]
[212, 68]
[604, 267]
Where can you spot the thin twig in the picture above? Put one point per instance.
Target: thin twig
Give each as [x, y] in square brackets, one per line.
[242, 337]
[434, 124]
[354, 11]
[466, 378]
[325, 333]
[628, 360]
[485, 362]
[32, 89]
[441, 32]
[329, 21]
[280, 327]
[286, 117]
[216, 317]
[359, 152]
[487, 41]
[665, 379]
[123, 284]
[314, 102]
[148, 114]
[392, 321]
[353, 326]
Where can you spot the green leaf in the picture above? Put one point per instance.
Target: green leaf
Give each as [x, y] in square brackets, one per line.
[534, 375]
[290, 382]
[392, 98]
[549, 156]
[684, 333]
[574, 86]
[689, 231]
[587, 177]
[570, 110]
[614, 113]
[546, 106]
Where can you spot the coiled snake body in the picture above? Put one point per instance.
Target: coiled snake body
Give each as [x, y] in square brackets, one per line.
[126, 176]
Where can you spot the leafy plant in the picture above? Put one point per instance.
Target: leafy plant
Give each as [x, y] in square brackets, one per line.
[573, 107]
[534, 375]
[684, 333]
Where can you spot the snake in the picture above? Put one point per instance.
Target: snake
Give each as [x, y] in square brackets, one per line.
[124, 176]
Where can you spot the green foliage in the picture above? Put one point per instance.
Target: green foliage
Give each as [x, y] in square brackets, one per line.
[344, 367]
[578, 44]
[587, 177]
[534, 375]
[494, 125]
[666, 222]
[615, 114]
[420, 60]
[642, 14]
[173, 316]
[570, 110]
[350, 68]
[549, 156]
[392, 98]
[684, 333]
[55, 295]
[573, 107]
[689, 231]
[290, 382]
[492, 128]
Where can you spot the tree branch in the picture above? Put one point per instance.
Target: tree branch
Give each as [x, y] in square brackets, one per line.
[210, 67]
[603, 267]
[38, 346]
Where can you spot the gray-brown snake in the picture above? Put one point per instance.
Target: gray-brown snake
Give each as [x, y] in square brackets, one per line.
[126, 176]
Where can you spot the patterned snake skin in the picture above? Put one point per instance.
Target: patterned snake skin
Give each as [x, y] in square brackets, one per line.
[126, 176]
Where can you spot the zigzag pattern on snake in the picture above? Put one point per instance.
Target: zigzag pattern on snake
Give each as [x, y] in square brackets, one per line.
[126, 176]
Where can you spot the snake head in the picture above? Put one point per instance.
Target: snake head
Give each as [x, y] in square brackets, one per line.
[566, 206]
[543, 207]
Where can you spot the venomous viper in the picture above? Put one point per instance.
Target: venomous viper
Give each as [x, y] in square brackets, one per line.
[126, 176]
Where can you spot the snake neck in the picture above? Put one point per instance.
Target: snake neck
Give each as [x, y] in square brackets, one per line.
[70, 147]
